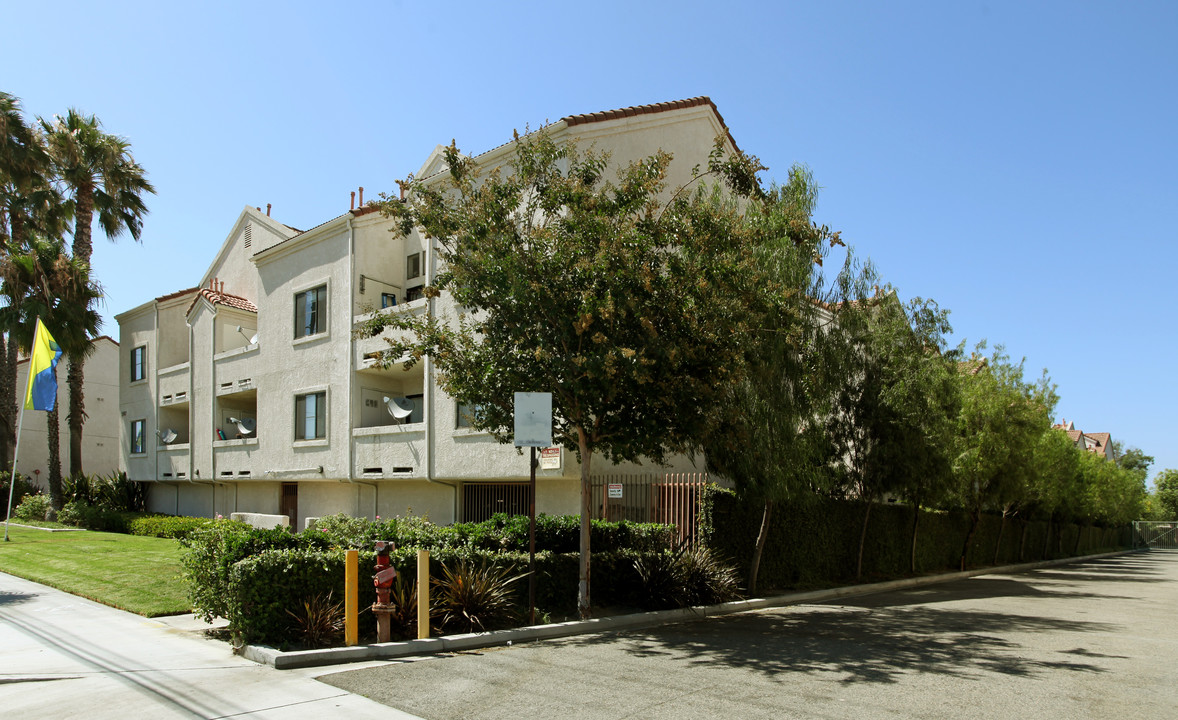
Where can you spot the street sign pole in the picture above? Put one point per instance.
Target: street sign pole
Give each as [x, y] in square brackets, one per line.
[533, 428]
[532, 544]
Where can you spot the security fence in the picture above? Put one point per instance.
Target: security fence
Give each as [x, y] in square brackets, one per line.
[671, 498]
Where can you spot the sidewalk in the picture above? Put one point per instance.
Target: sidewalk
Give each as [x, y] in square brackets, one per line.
[66, 657]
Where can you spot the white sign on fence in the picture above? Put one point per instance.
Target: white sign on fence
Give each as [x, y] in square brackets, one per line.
[615, 491]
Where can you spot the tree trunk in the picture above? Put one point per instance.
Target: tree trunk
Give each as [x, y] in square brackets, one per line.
[1079, 536]
[7, 407]
[54, 434]
[975, 517]
[583, 605]
[1022, 543]
[77, 414]
[912, 553]
[862, 541]
[755, 565]
[1047, 540]
[82, 249]
[1001, 531]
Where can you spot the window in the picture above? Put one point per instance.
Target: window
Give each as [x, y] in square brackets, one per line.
[414, 293]
[310, 312]
[466, 414]
[387, 300]
[138, 363]
[311, 416]
[138, 428]
[413, 266]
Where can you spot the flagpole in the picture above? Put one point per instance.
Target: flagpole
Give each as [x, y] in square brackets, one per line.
[12, 475]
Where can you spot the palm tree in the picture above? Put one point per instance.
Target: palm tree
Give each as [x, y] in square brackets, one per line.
[29, 203]
[100, 174]
[44, 282]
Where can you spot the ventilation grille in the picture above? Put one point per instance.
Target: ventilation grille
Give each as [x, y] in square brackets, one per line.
[248, 235]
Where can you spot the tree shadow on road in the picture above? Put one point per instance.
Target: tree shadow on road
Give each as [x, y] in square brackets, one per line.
[863, 644]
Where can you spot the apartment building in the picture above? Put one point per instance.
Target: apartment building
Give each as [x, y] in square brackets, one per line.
[100, 434]
[247, 392]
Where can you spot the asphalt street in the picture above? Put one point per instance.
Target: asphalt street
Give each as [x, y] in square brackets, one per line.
[1088, 640]
[62, 656]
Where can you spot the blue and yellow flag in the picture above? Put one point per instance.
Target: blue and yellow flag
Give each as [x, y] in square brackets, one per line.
[42, 392]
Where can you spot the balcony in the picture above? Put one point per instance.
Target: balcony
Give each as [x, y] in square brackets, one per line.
[174, 385]
[390, 451]
[234, 459]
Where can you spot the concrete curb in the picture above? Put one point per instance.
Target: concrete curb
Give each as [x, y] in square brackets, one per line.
[453, 643]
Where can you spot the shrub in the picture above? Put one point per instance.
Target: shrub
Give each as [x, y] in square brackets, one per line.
[166, 526]
[211, 551]
[474, 597]
[93, 517]
[23, 488]
[32, 507]
[320, 621]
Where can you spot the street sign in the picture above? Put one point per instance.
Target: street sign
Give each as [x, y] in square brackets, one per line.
[533, 419]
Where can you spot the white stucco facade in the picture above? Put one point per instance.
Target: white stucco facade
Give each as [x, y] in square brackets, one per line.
[266, 338]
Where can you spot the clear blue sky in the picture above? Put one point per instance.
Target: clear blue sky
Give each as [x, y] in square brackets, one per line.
[1014, 161]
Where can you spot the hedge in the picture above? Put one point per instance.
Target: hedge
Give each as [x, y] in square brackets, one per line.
[554, 533]
[259, 589]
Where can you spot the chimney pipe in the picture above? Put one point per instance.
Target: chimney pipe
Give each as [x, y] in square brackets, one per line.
[258, 209]
[267, 209]
[402, 192]
[353, 199]
[361, 196]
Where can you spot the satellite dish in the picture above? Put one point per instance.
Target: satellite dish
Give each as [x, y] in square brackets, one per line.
[245, 426]
[252, 340]
[168, 436]
[399, 408]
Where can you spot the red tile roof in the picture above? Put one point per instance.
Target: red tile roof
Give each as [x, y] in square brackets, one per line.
[223, 298]
[173, 296]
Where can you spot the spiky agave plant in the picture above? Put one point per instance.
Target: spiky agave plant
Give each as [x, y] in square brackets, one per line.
[320, 621]
[474, 598]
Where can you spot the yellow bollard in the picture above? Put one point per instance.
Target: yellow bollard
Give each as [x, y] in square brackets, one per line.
[352, 598]
[422, 594]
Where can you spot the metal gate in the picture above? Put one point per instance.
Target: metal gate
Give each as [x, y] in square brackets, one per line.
[670, 498]
[1155, 535]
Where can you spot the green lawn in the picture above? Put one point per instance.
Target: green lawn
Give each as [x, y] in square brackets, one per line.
[139, 574]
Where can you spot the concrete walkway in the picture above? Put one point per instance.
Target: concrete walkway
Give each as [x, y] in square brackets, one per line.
[67, 657]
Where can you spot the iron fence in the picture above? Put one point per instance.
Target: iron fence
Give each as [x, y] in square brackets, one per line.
[671, 498]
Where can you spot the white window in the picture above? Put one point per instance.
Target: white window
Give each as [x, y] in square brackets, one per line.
[413, 266]
[467, 412]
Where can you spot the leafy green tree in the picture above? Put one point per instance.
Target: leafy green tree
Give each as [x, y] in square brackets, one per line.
[771, 444]
[101, 176]
[1165, 495]
[894, 412]
[1054, 482]
[998, 429]
[624, 305]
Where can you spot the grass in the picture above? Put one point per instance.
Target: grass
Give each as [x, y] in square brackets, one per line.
[138, 574]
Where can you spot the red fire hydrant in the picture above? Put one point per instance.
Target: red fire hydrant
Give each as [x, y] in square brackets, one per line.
[383, 581]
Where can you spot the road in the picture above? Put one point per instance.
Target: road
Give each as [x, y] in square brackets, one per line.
[63, 656]
[1091, 640]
